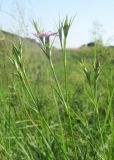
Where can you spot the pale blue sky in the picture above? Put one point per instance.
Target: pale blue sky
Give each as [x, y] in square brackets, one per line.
[16, 16]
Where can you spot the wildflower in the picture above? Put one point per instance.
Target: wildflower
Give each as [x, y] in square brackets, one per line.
[44, 37]
[45, 34]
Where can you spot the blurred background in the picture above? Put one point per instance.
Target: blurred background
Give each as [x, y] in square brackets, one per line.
[90, 17]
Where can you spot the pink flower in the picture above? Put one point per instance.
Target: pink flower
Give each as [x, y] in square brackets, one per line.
[45, 34]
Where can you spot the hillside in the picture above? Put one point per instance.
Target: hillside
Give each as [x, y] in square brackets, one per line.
[34, 57]
[39, 119]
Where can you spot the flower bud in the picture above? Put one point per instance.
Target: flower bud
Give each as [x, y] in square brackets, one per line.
[66, 26]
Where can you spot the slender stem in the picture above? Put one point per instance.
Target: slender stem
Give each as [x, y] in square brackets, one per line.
[96, 104]
[58, 85]
[71, 128]
[29, 87]
[64, 102]
[65, 69]
[61, 126]
[95, 51]
[69, 114]
[102, 141]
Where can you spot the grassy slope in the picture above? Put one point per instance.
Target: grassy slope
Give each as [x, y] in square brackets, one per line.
[38, 70]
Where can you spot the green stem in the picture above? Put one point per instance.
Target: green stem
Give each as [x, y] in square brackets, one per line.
[29, 87]
[71, 128]
[65, 69]
[61, 127]
[67, 108]
[95, 51]
[97, 112]
[102, 141]
[69, 114]
[58, 85]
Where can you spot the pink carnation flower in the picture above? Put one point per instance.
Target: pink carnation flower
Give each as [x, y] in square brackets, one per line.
[45, 34]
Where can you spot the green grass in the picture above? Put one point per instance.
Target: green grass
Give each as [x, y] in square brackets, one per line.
[34, 123]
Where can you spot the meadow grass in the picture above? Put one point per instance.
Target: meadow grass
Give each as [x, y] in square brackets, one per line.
[56, 104]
